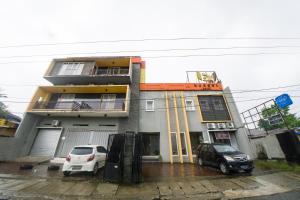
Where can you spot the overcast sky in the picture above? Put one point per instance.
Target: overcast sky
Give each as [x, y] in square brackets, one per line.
[56, 21]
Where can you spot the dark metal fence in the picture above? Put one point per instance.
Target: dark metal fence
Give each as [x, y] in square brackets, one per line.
[124, 158]
[263, 118]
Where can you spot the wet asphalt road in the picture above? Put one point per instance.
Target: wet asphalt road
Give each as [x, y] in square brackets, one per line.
[166, 182]
[293, 195]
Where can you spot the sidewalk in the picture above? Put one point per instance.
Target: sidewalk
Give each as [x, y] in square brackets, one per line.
[232, 187]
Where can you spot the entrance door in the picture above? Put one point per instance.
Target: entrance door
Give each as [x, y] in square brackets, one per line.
[45, 142]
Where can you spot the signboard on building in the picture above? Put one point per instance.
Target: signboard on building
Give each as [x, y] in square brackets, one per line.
[283, 101]
[222, 135]
[209, 77]
[275, 119]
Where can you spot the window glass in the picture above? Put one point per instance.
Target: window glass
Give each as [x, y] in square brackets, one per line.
[183, 144]
[213, 108]
[151, 144]
[82, 151]
[224, 148]
[174, 144]
[196, 139]
[149, 105]
[101, 149]
[71, 68]
[189, 104]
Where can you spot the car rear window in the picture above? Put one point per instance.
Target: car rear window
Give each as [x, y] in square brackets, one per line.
[82, 151]
[224, 148]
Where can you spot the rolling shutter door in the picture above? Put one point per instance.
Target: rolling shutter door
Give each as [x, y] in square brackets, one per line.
[45, 142]
[84, 136]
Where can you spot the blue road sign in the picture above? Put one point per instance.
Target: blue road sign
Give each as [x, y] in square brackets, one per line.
[283, 101]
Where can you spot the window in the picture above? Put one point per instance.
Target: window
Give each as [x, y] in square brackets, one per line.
[108, 101]
[196, 139]
[82, 151]
[213, 108]
[71, 68]
[221, 137]
[149, 105]
[101, 149]
[189, 105]
[150, 144]
[175, 143]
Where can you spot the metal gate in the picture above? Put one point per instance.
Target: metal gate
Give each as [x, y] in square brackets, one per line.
[83, 136]
[45, 142]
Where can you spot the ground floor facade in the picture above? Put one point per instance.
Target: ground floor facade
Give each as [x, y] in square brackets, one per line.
[172, 124]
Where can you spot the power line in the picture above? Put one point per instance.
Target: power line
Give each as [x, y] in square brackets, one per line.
[149, 40]
[232, 91]
[139, 99]
[153, 50]
[181, 56]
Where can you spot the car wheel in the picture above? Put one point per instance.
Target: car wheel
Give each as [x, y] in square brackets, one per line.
[200, 161]
[223, 167]
[95, 170]
[249, 171]
[66, 173]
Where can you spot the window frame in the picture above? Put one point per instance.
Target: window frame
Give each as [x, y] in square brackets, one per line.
[153, 106]
[190, 108]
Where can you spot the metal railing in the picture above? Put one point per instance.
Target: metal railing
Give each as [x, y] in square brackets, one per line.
[82, 105]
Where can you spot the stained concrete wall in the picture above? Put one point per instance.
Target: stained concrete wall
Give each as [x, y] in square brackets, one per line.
[270, 145]
[13, 147]
[242, 135]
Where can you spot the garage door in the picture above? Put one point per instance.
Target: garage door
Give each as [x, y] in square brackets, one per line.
[45, 142]
[78, 136]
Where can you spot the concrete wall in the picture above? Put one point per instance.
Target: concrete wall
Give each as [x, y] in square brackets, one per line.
[13, 147]
[270, 145]
[241, 136]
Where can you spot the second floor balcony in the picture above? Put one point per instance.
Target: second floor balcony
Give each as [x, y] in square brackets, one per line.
[80, 71]
[83, 101]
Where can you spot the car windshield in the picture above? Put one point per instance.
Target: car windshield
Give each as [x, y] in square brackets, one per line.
[82, 151]
[224, 148]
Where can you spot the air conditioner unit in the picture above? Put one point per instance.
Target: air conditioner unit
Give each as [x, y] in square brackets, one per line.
[211, 126]
[230, 125]
[55, 123]
[221, 125]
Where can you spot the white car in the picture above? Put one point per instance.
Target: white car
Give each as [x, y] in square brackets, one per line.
[87, 158]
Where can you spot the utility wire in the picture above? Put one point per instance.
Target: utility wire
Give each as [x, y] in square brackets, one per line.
[153, 50]
[232, 91]
[138, 99]
[180, 56]
[147, 39]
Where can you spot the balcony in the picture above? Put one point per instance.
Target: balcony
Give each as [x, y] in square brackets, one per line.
[80, 71]
[83, 101]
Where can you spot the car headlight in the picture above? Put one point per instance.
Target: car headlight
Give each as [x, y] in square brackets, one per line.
[248, 157]
[228, 158]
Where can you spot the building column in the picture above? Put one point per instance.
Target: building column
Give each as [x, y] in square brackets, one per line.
[187, 130]
[177, 129]
[169, 127]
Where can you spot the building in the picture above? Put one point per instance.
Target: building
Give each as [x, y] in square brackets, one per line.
[8, 124]
[94, 97]
[176, 117]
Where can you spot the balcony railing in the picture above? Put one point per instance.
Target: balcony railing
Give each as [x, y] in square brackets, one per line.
[111, 71]
[82, 105]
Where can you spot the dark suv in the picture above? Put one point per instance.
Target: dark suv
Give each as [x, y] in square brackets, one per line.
[224, 157]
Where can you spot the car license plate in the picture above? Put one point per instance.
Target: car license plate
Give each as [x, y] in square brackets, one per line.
[244, 166]
[76, 167]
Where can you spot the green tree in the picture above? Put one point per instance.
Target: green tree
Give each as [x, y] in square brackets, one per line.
[290, 120]
[3, 107]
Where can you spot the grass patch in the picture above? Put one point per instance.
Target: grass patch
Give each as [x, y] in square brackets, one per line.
[276, 164]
